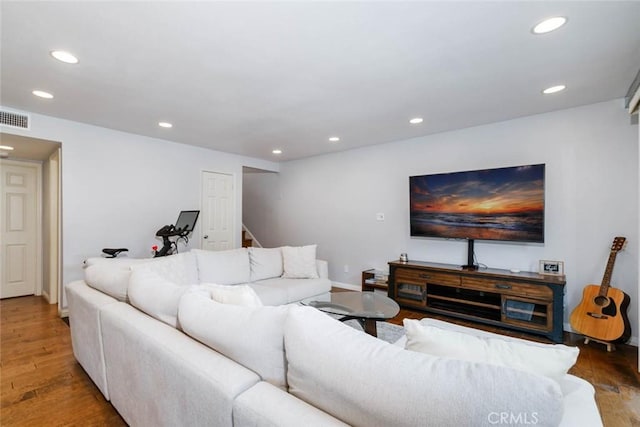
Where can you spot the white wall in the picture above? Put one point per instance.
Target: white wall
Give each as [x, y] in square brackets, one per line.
[591, 157]
[259, 202]
[118, 189]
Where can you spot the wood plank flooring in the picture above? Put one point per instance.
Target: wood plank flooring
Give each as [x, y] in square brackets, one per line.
[42, 384]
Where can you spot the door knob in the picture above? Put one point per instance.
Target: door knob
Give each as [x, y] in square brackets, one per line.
[206, 236]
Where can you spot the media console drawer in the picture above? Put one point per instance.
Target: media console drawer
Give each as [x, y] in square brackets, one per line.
[507, 287]
[428, 277]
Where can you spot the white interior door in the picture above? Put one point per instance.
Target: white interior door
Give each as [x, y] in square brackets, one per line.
[218, 211]
[19, 241]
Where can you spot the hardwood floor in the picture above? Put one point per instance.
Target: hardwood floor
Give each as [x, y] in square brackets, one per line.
[42, 384]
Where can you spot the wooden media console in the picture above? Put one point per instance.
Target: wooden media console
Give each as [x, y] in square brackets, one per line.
[524, 301]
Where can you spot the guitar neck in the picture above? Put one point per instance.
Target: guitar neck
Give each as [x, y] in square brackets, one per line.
[606, 279]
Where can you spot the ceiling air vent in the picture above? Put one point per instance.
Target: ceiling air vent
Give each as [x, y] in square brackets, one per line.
[15, 120]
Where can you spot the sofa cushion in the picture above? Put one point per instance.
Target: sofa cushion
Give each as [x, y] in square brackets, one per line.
[579, 404]
[223, 267]
[551, 360]
[299, 262]
[265, 263]
[270, 295]
[181, 269]
[110, 276]
[158, 297]
[266, 405]
[351, 375]
[233, 294]
[252, 336]
[85, 305]
[159, 376]
[295, 289]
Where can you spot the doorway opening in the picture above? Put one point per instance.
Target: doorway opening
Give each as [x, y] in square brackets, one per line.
[46, 156]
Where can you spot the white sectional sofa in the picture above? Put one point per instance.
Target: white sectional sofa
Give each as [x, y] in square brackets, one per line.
[166, 352]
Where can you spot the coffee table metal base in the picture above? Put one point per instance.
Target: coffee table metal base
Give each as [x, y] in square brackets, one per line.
[365, 307]
[369, 325]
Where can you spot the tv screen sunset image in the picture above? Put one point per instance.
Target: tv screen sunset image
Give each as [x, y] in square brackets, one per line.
[491, 204]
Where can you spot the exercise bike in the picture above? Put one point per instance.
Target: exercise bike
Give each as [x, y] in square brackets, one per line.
[185, 224]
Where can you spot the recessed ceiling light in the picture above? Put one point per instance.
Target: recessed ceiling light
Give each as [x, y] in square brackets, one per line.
[6, 147]
[277, 151]
[165, 125]
[416, 120]
[42, 94]
[554, 89]
[334, 139]
[64, 56]
[549, 25]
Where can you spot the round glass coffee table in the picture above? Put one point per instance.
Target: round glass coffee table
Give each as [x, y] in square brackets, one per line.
[365, 307]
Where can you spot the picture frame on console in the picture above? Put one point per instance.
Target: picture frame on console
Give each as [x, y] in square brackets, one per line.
[552, 268]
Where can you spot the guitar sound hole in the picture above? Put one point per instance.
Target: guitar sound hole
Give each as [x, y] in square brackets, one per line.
[601, 301]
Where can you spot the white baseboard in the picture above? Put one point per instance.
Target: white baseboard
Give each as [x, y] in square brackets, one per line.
[346, 286]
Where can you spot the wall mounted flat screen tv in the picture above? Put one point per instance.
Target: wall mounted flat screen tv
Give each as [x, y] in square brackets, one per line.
[492, 204]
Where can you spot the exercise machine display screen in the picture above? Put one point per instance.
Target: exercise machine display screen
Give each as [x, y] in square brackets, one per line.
[187, 219]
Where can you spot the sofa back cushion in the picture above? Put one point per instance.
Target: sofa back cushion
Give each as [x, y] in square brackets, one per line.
[251, 336]
[266, 263]
[365, 381]
[229, 267]
[158, 297]
[181, 269]
[110, 276]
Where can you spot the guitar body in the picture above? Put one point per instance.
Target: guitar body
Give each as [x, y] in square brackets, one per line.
[603, 317]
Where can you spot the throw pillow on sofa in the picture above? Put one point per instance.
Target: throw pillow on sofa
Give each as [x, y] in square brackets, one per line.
[550, 360]
[233, 294]
[299, 262]
[251, 336]
[266, 263]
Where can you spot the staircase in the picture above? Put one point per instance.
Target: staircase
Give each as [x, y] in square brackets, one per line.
[248, 239]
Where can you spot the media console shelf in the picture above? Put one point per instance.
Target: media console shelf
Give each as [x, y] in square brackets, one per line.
[524, 301]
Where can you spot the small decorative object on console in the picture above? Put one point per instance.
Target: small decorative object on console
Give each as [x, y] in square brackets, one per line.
[555, 268]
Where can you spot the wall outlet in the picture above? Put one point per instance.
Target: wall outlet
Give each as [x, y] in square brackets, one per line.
[346, 268]
[380, 216]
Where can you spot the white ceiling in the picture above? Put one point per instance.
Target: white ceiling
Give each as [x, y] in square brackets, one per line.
[248, 77]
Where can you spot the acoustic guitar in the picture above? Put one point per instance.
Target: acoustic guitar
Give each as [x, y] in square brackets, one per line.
[602, 313]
